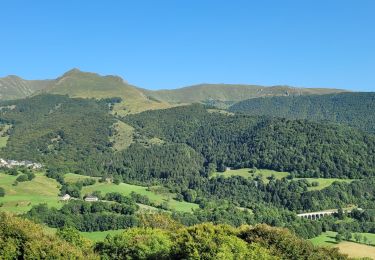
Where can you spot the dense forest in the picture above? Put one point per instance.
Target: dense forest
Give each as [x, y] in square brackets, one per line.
[73, 135]
[354, 109]
[57, 130]
[238, 141]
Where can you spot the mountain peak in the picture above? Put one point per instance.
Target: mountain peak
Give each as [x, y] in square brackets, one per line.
[71, 72]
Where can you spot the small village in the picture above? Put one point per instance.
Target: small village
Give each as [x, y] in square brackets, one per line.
[13, 163]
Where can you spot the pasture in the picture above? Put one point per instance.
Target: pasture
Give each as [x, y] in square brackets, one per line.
[356, 250]
[351, 248]
[123, 136]
[3, 135]
[156, 194]
[249, 174]
[266, 174]
[19, 199]
[323, 182]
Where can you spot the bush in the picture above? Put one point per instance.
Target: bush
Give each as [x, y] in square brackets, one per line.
[22, 178]
[136, 243]
[22, 239]
[2, 192]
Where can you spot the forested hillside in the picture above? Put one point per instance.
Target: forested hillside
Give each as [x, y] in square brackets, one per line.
[354, 109]
[57, 130]
[75, 134]
[306, 148]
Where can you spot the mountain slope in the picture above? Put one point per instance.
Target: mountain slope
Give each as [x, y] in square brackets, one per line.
[307, 148]
[354, 109]
[76, 83]
[224, 94]
[13, 87]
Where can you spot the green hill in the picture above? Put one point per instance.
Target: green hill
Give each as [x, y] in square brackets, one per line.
[354, 109]
[76, 83]
[226, 94]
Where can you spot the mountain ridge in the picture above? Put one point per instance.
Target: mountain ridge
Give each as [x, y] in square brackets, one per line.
[77, 83]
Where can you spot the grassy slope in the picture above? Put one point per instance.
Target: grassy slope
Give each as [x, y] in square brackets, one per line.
[123, 137]
[3, 136]
[229, 92]
[328, 238]
[20, 198]
[13, 87]
[323, 183]
[90, 85]
[126, 189]
[246, 174]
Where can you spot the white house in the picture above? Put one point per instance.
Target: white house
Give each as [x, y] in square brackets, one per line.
[66, 197]
[91, 198]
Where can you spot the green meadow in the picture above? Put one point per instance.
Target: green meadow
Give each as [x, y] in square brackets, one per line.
[3, 135]
[351, 247]
[248, 173]
[156, 194]
[20, 198]
[73, 178]
[328, 238]
[323, 182]
[265, 174]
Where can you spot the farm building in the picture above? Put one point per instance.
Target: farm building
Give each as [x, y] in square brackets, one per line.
[65, 197]
[91, 198]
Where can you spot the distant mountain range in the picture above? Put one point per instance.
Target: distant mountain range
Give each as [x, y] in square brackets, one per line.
[76, 83]
[226, 94]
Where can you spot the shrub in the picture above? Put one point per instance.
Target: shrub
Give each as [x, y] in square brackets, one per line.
[22, 178]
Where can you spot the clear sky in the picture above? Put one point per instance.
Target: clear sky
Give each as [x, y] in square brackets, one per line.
[168, 44]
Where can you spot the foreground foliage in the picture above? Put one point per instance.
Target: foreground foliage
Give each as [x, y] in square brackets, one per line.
[22, 239]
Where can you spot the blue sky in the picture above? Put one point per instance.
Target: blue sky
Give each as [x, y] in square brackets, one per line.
[170, 44]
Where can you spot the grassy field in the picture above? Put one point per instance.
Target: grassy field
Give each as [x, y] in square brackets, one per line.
[350, 248]
[3, 136]
[328, 238]
[123, 137]
[73, 178]
[246, 173]
[152, 193]
[356, 250]
[324, 183]
[19, 199]
[325, 239]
